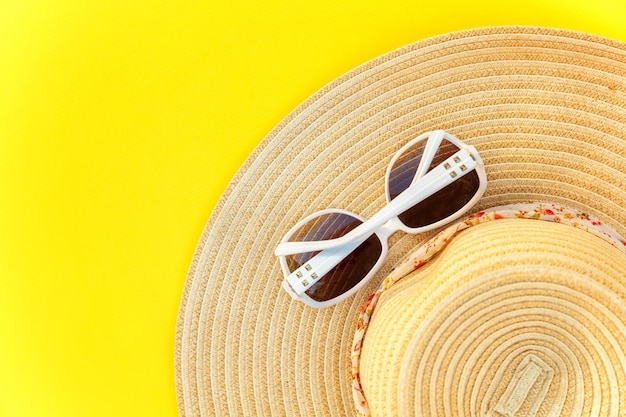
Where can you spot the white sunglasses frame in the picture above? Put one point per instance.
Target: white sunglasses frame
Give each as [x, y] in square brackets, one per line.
[385, 222]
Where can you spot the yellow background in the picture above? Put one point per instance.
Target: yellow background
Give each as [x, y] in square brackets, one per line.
[121, 123]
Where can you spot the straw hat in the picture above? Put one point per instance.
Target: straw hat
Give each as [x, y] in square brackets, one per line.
[511, 317]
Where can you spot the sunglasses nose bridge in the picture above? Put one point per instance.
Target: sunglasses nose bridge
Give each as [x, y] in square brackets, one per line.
[390, 227]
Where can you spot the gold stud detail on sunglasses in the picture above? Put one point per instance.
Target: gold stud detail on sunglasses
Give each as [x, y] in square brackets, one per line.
[453, 174]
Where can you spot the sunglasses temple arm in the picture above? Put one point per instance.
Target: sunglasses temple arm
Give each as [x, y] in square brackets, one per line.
[308, 274]
[430, 149]
[441, 176]
[402, 202]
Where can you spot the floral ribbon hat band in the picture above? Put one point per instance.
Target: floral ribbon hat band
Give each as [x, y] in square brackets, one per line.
[520, 296]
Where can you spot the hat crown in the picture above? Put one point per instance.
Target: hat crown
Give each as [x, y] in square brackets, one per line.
[529, 323]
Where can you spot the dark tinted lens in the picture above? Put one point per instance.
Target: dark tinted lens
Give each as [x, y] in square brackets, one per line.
[404, 169]
[351, 270]
[444, 202]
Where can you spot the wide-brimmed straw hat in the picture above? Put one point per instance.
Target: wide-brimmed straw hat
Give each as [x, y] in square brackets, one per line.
[519, 308]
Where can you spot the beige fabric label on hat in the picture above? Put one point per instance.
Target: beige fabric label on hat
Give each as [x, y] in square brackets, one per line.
[526, 390]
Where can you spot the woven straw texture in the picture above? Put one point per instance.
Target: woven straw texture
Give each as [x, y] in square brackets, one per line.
[545, 109]
[530, 323]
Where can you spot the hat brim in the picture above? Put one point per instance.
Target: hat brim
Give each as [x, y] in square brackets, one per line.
[545, 109]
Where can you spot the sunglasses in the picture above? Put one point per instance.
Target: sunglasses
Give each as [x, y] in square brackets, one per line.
[331, 254]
